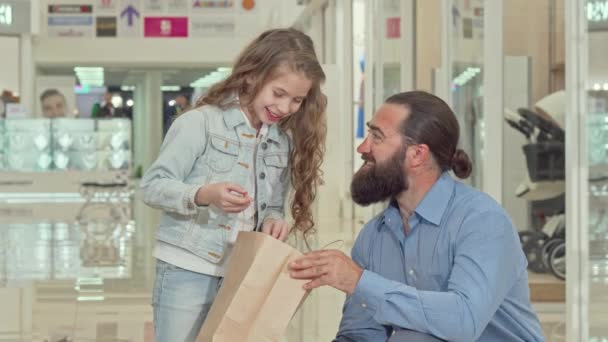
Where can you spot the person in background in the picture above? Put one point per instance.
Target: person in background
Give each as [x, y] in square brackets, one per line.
[53, 104]
[106, 109]
[182, 104]
[170, 113]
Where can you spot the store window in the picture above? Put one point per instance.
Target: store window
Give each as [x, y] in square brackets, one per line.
[597, 161]
[534, 147]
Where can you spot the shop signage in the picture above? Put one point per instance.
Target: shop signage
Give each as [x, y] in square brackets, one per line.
[6, 15]
[70, 9]
[212, 26]
[70, 26]
[171, 27]
[106, 26]
[15, 17]
[597, 15]
[129, 21]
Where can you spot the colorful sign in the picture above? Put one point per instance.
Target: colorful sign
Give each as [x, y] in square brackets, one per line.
[170, 27]
[212, 4]
[106, 6]
[70, 9]
[129, 19]
[106, 26]
[70, 20]
[393, 28]
[70, 26]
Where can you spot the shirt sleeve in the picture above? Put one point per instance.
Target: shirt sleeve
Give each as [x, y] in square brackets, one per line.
[485, 269]
[358, 323]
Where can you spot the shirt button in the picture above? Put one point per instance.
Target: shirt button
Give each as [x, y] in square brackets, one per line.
[364, 305]
[262, 175]
[264, 146]
[263, 206]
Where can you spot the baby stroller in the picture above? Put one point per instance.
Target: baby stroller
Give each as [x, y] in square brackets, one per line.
[545, 248]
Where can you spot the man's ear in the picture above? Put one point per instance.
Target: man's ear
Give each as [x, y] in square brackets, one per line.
[418, 155]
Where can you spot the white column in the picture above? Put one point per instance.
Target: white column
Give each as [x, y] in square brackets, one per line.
[407, 44]
[493, 76]
[148, 119]
[330, 32]
[139, 122]
[443, 79]
[577, 207]
[344, 58]
[26, 74]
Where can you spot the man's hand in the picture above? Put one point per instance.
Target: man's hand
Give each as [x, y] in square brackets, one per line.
[328, 267]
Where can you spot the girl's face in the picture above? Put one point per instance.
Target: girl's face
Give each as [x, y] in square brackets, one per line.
[279, 98]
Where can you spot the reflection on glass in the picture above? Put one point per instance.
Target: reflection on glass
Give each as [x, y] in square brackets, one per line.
[467, 78]
[98, 243]
[597, 157]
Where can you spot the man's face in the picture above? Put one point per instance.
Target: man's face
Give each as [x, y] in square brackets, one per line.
[53, 106]
[181, 101]
[382, 176]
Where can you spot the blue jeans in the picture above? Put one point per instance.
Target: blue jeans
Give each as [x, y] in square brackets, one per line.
[181, 301]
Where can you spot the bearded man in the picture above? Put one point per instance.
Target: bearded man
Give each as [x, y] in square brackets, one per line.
[443, 261]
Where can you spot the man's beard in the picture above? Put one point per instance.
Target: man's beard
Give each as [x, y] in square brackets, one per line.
[379, 182]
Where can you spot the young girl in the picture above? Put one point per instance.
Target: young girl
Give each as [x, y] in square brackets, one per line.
[225, 167]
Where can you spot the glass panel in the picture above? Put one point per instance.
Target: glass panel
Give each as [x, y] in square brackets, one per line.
[597, 147]
[533, 147]
[358, 23]
[467, 77]
[391, 34]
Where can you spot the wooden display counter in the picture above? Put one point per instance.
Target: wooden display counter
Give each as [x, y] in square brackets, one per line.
[546, 288]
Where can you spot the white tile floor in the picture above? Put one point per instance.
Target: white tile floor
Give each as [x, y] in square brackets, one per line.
[93, 282]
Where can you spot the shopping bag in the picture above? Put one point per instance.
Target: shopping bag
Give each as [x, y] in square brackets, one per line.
[258, 298]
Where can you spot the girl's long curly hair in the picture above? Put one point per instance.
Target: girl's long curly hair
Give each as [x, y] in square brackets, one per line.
[259, 63]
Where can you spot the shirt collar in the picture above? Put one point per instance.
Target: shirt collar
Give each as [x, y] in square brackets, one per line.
[235, 116]
[263, 130]
[435, 202]
[431, 208]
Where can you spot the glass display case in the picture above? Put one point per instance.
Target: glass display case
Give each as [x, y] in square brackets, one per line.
[40, 145]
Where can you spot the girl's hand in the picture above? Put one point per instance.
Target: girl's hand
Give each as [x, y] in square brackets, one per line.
[228, 197]
[277, 228]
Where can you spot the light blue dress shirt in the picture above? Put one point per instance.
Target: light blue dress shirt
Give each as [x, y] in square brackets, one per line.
[460, 274]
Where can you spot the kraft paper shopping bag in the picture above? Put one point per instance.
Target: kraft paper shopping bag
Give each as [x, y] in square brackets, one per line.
[258, 298]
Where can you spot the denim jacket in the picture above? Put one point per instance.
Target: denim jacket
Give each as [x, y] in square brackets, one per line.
[209, 145]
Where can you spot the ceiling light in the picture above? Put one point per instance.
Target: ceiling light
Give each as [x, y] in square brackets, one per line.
[170, 88]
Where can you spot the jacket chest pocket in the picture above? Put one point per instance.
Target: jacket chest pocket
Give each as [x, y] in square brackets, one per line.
[222, 154]
[276, 167]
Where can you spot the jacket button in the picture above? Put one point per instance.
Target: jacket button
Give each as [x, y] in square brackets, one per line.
[262, 175]
[264, 146]
[263, 206]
